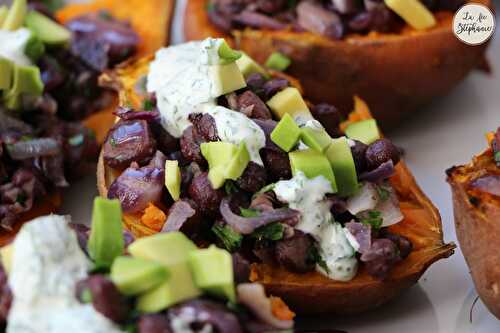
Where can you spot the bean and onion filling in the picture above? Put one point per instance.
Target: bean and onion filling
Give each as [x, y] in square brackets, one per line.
[245, 216]
[330, 18]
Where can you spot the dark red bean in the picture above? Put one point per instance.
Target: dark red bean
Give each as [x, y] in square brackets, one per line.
[241, 268]
[190, 146]
[155, 323]
[205, 126]
[253, 178]
[204, 195]
[255, 82]
[249, 101]
[5, 296]
[294, 253]
[276, 163]
[329, 117]
[381, 151]
[274, 86]
[129, 141]
[271, 6]
[358, 153]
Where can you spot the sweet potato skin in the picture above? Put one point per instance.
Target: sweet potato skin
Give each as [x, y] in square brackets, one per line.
[313, 293]
[396, 74]
[477, 225]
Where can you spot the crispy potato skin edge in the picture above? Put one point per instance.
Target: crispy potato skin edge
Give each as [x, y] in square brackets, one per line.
[396, 74]
[478, 232]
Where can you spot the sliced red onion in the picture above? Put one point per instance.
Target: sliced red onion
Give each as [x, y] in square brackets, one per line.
[256, 20]
[129, 114]
[252, 295]
[178, 214]
[247, 225]
[362, 233]
[384, 171]
[389, 208]
[489, 184]
[23, 150]
[365, 199]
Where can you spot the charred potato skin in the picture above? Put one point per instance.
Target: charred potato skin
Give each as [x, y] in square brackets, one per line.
[477, 226]
[312, 293]
[396, 74]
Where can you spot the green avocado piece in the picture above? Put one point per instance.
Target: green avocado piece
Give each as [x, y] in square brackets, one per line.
[34, 48]
[218, 155]
[47, 30]
[278, 61]
[6, 254]
[172, 251]
[249, 66]
[6, 68]
[286, 133]
[365, 131]
[15, 17]
[3, 14]
[317, 139]
[227, 78]
[25, 80]
[134, 276]
[173, 179]
[106, 236]
[227, 54]
[313, 164]
[238, 163]
[340, 156]
[290, 101]
[213, 272]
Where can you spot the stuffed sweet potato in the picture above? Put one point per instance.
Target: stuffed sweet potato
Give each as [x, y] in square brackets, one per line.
[396, 72]
[476, 202]
[415, 229]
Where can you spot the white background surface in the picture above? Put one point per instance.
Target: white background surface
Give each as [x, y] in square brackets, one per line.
[448, 132]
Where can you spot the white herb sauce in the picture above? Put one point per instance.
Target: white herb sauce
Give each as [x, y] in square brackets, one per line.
[308, 197]
[13, 46]
[47, 263]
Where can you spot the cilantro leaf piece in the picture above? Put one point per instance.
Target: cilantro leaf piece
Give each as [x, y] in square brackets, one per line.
[271, 232]
[248, 212]
[373, 218]
[230, 239]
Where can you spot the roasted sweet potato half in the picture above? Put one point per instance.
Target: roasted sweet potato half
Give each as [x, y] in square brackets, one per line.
[312, 293]
[154, 33]
[396, 74]
[476, 202]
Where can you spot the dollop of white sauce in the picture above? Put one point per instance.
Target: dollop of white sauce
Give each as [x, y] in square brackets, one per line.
[13, 46]
[235, 127]
[308, 197]
[47, 263]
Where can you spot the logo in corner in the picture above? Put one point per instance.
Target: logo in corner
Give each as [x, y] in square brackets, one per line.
[474, 24]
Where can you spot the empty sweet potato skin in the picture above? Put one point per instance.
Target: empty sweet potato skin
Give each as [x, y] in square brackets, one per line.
[313, 293]
[477, 217]
[396, 74]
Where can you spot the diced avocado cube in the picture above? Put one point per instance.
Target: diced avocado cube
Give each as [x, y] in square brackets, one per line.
[3, 14]
[227, 78]
[173, 179]
[46, 29]
[6, 68]
[340, 156]
[171, 250]
[6, 254]
[15, 17]
[218, 155]
[290, 101]
[238, 163]
[286, 133]
[249, 66]
[227, 54]
[365, 131]
[413, 12]
[313, 164]
[278, 61]
[317, 139]
[213, 272]
[106, 236]
[25, 80]
[34, 48]
[134, 276]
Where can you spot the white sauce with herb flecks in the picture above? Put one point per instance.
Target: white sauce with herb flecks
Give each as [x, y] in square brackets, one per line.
[46, 265]
[14, 45]
[183, 82]
[308, 197]
[235, 127]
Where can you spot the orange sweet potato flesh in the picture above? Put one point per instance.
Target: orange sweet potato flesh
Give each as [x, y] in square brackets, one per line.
[477, 217]
[150, 19]
[313, 293]
[396, 74]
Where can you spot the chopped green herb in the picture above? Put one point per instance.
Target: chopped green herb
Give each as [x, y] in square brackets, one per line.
[210, 6]
[271, 232]
[112, 142]
[53, 5]
[248, 212]
[278, 61]
[27, 138]
[315, 257]
[76, 140]
[105, 15]
[147, 105]
[34, 48]
[373, 218]
[497, 157]
[383, 193]
[266, 188]
[230, 187]
[86, 296]
[231, 240]
[228, 54]
[21, 198]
